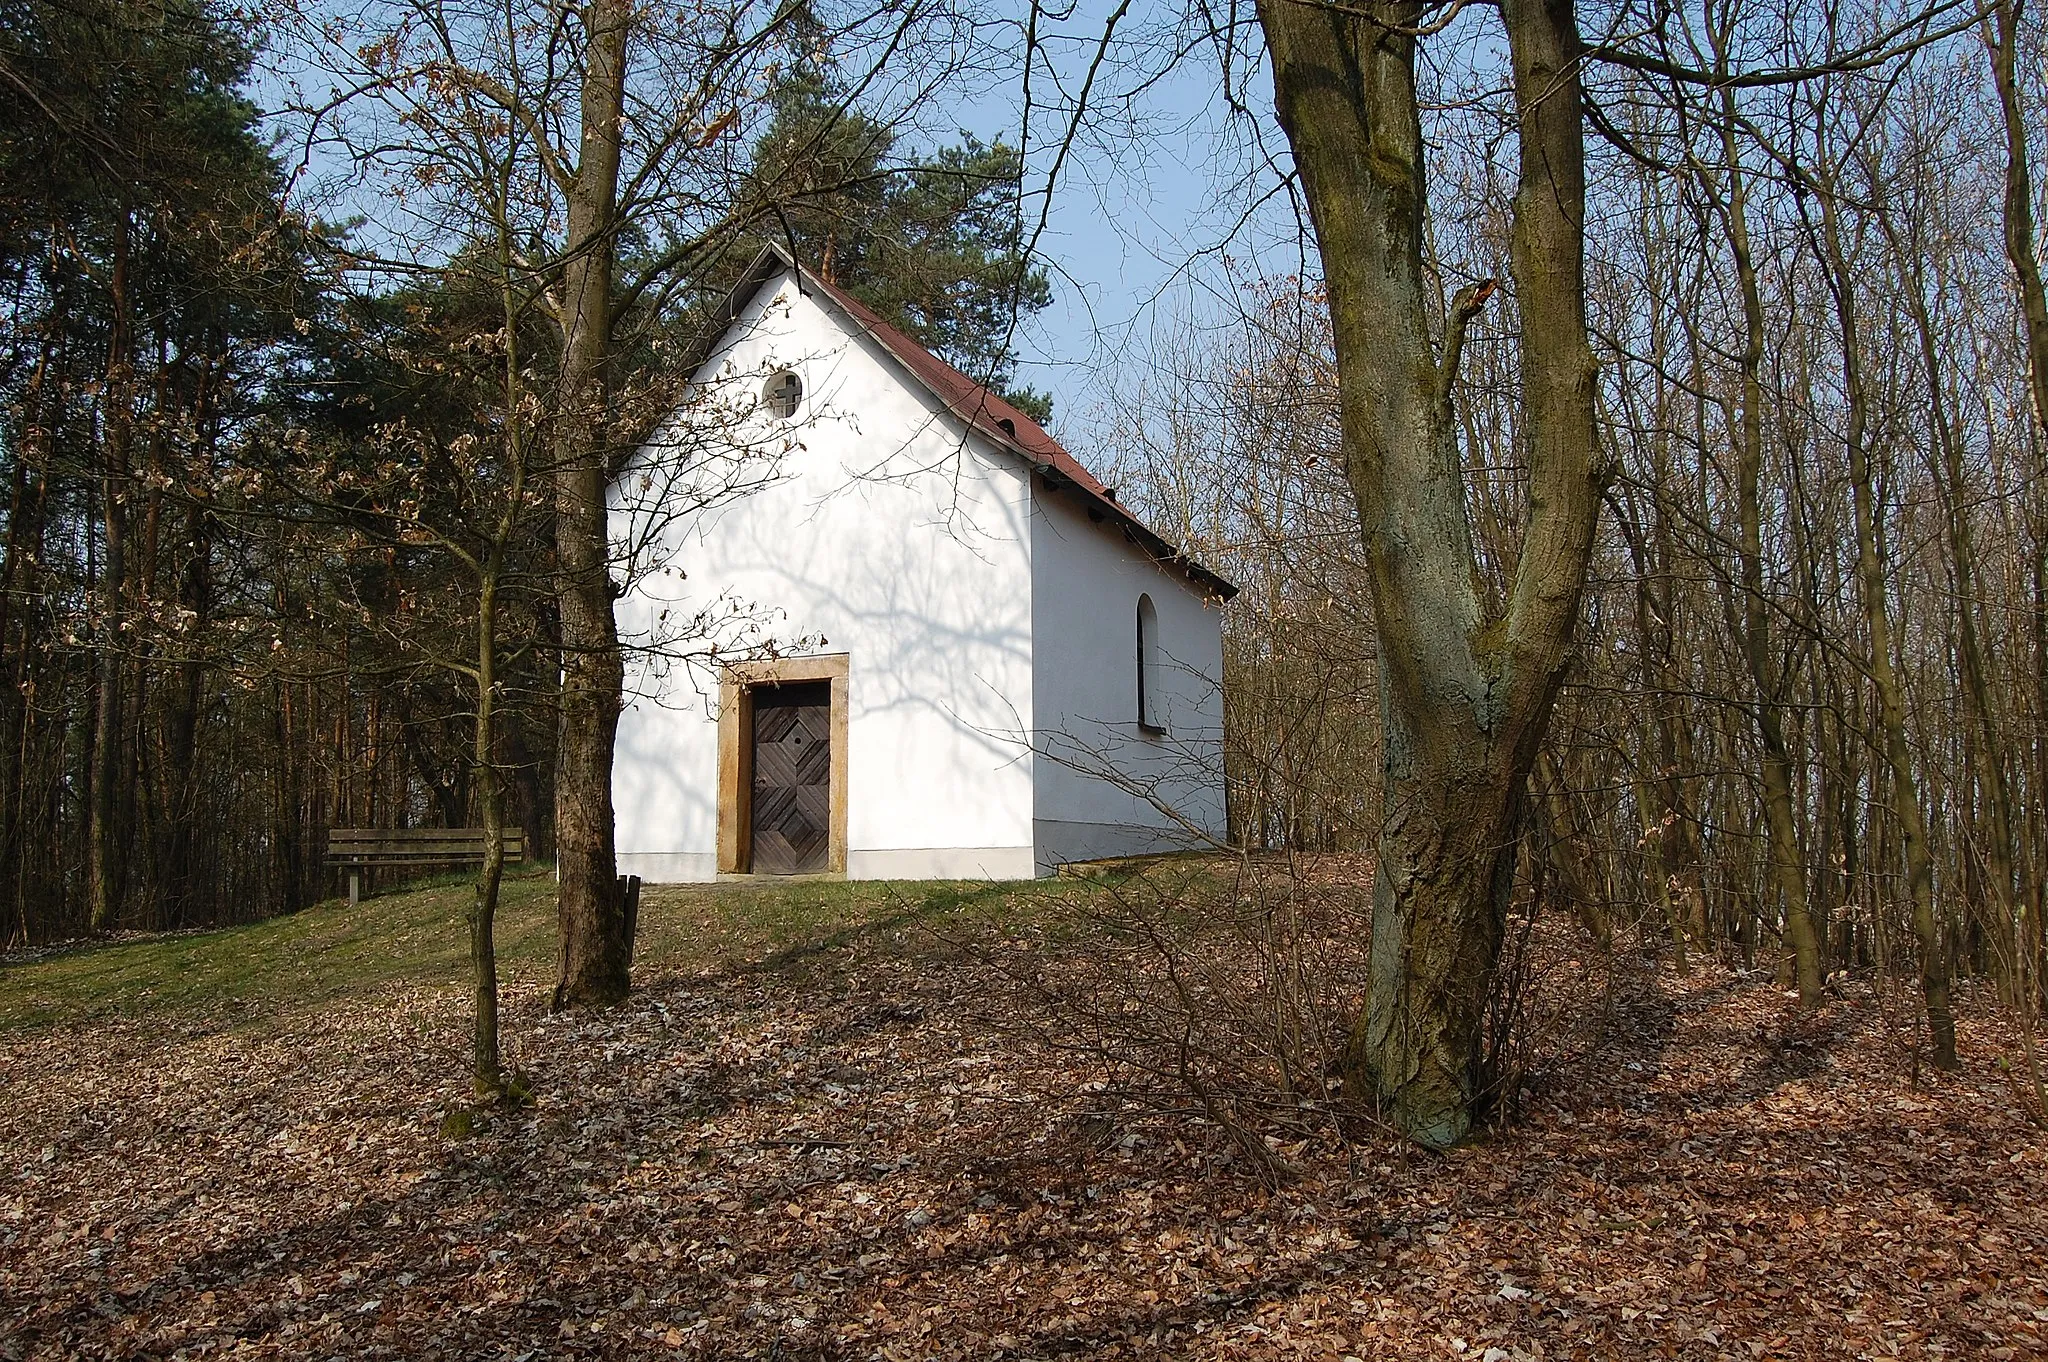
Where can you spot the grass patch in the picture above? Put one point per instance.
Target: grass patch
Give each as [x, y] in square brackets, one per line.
[325, 952]
[418, 937]
[799, 925]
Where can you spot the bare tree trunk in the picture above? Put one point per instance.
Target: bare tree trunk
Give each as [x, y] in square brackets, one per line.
[1984, 733]
[195, 595]
[26, 504]
[1666, 818]
[594, 952]
[103, 840]
[1465, 698]
[487, 1076]
[2002, 39]
[1788, 870]
[1557, 832]
[1658, 836]
[1871, 567]
[2019, 199]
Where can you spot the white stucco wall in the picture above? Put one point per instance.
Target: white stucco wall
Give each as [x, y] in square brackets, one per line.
[880, 536]
[1101, 782]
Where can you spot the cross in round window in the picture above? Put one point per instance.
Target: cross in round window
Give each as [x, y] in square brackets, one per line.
[780, 396]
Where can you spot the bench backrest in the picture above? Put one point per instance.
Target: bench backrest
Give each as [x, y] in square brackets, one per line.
[416, 846]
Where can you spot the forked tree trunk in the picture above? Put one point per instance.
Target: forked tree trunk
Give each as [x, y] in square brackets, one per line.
[594, 951]
[1465, 695]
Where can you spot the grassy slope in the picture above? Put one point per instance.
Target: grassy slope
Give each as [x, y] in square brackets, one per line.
[418, 937]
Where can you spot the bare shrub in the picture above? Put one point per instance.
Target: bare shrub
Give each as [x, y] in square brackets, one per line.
[1223, 990]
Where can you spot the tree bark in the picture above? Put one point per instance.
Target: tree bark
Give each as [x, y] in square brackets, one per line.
[1465, 697]
[594, 954]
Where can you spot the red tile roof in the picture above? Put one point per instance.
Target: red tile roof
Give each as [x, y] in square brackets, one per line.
[988, 413]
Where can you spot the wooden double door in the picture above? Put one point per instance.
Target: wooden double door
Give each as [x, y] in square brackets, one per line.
[790, 802]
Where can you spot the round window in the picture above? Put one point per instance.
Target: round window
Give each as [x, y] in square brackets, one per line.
[782, 393]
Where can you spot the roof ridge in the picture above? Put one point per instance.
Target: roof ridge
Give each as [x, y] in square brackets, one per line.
[991, 414]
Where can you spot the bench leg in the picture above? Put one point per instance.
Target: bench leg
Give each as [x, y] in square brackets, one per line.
[355, 886]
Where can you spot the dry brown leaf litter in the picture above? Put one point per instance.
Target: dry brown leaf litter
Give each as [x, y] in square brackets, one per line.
[846, 1164]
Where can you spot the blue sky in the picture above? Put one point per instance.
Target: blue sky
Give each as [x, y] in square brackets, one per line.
[1153, 195]
[1164, 185]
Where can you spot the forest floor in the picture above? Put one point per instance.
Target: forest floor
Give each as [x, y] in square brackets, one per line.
[821, 1128]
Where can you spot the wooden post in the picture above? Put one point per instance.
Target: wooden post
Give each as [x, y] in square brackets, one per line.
[355, 885]
[629, 903]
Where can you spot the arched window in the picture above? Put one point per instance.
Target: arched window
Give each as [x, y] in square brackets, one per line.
[781, 395]
[1151, 702]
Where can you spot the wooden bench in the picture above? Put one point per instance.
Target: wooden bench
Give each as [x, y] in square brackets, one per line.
[360, 849]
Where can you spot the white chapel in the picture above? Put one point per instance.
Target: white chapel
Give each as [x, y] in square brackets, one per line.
[883, 626]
